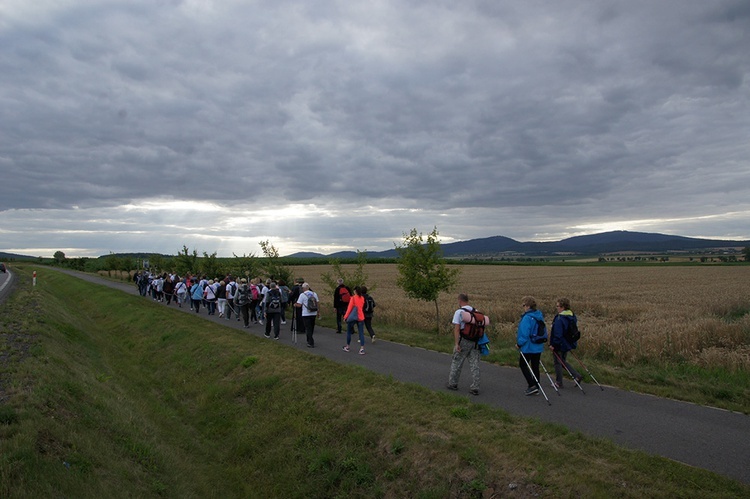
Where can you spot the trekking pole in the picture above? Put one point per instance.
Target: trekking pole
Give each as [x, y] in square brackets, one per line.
[587, 370]
[534, 376]
[549, 377]
[561, 361]
[294, 329]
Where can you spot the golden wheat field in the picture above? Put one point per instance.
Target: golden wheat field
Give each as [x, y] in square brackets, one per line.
[697, 314]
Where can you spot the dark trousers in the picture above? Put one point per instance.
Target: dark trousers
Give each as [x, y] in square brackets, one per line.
[533, 359]
[245, 312]
[368, 325]
[340, 311]
[275, 319]
[299, 323]
[309, 322]
[559, 367]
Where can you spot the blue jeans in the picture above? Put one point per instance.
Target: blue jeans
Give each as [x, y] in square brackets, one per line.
[350, 330]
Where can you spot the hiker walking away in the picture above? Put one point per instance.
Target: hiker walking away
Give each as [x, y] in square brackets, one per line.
[356, 306]
[309, 304]
[285, 292]
[297, 322]
[242, 302]
[560, 341]
[168, 289]
[464, 346]
[255, 312]
[180, 290]
[221, 297]
[272, 310]
[231, 289]
[341, 297]
[531, 351]
[209, 296]
[369, 311]
[196, 296]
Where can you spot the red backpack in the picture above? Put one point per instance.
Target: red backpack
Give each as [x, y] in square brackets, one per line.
[474, 329]
[344, 294]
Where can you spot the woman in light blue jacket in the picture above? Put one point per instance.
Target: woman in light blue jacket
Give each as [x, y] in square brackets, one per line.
[531, 351]
[196, 296]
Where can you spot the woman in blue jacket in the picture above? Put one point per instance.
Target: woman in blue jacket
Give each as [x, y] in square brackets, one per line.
[530, 350]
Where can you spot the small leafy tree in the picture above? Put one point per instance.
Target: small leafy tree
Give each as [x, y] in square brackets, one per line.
[357, 278]
[273, 265]
[185, 262]
[210, 266]
[746, 252]
[59, 257]
[423, 272]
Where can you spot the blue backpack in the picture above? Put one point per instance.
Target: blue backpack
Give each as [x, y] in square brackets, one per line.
[540, 334]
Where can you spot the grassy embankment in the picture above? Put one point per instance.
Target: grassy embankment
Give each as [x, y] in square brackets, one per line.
[108, 395]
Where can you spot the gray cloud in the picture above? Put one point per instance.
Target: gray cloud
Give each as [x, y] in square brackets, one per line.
[526, 120]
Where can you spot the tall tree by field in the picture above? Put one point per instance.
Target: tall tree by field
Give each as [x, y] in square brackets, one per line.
[274, 266]
[423, 272]
[746, 252]
[185, 262]
[357, 278]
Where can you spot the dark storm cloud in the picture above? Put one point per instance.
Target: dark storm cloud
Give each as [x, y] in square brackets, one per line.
[592, 112]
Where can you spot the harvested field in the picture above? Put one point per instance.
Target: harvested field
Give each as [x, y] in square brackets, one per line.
[633, 314]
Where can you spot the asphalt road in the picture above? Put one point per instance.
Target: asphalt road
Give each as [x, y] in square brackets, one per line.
[704, 437]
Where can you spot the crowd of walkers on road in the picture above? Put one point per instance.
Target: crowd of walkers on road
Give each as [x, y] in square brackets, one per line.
[265, 303]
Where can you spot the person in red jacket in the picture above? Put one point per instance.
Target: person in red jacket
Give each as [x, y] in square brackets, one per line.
[358, 317]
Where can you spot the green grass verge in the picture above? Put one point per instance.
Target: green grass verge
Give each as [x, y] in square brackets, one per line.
[110, 395]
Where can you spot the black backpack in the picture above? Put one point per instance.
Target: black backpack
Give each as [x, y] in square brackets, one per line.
[540, 334]
[274, 301]
[369, 305]
[572, 334]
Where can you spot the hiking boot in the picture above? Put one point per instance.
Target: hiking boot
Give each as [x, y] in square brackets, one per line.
[267, 335]
[474, 391]
[361, 351]
[579, 379]
[532, 390]
[346, 348]
[559, 386]
[372, 338]
[451, 387]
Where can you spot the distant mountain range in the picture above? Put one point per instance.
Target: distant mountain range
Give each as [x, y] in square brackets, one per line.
[619, 241]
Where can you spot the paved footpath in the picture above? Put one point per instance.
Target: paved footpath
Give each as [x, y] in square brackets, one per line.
[704, 437]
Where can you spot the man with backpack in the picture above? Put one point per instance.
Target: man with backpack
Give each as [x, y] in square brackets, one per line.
[564, 338]
[468, 328]
[309, 303]
[242, 302]
[341, 297]
[272, 310]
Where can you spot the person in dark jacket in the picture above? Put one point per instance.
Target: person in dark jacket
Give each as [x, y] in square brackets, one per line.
[560, 346]
[341, 296]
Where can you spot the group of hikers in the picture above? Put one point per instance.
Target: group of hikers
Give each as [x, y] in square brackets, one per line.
[267, 303]
[531, 335]
[263, 302]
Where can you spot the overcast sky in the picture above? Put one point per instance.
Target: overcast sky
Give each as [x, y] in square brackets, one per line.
[149, 125]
